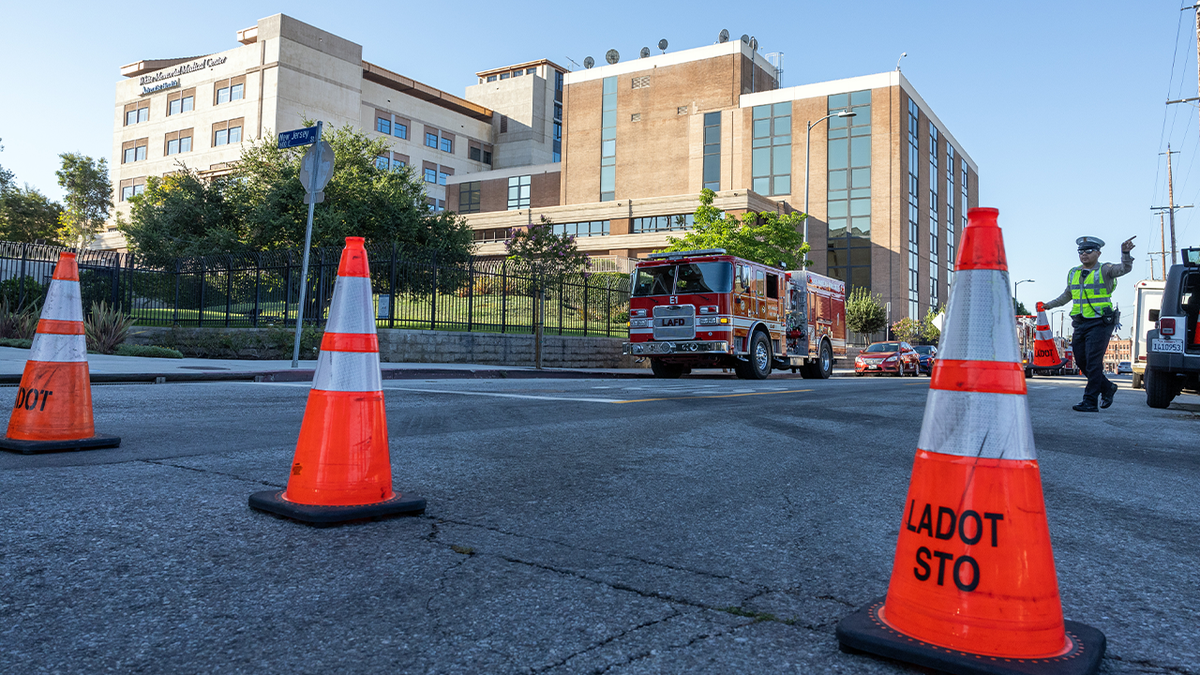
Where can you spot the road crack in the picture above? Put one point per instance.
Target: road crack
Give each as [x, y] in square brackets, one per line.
[210, 471]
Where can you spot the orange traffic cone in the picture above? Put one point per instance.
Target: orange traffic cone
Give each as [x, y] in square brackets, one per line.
[53, 411]
[341, 470]
[973, 586]
[1045, 352]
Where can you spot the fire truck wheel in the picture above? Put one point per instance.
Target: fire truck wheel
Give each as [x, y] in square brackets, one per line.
[822, 368]
[759, 367]
[666, 370]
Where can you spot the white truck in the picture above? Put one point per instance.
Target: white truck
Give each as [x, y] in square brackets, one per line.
[1147, 301]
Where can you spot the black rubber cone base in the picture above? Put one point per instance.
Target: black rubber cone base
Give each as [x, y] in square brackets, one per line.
[37, 447]
[865, 631]
[272, 501]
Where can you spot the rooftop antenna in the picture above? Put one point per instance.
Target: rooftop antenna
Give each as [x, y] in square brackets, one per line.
[662, 45]
[612, 56]
[588, 62]
[753, 43]
[723, 37]
[745, 39]
[573, 61]
[644, 53]
[902, 55]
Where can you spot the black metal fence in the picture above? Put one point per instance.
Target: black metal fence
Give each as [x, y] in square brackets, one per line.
[412, 289]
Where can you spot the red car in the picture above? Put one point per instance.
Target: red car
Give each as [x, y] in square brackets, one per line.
[898, 358]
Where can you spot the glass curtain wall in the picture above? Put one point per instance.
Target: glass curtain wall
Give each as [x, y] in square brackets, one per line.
[913, 211]
[934, 225]
[951, 197]
[712, 150]
[849, 191]
[608, 141]
[771, 157]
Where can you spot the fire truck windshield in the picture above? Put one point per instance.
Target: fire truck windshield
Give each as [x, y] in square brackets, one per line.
[705, 277]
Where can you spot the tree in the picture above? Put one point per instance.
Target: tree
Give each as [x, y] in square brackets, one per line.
[906, 329]
[183, 215]
[550, 258]
[88, 196]
[1019, 308]
[7, 178]
[27, 215]
[865, 312]
[929, 332]
[260, 206]
[767, 237]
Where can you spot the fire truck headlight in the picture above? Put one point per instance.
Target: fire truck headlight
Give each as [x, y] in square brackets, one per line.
[639, 323]
[637, 312]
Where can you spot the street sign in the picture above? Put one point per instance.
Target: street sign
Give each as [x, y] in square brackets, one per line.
[323, 171]
[310, 198]
[297, 137]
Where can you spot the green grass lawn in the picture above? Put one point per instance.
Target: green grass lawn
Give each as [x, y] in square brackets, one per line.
[484, 313]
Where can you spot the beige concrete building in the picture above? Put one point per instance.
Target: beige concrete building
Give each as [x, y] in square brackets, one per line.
[198, 111]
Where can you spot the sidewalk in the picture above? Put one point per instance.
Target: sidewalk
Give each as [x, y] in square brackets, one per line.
[107, 368]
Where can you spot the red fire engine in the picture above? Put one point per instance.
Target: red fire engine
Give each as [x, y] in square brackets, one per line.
[707, 309]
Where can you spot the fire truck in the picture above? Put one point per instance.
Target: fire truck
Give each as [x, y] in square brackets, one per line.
[708, 309]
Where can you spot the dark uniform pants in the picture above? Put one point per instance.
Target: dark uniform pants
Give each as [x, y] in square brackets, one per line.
[1089, 344]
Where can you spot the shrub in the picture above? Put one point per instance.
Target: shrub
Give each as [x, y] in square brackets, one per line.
[18, 324]
[34, 295]
[106, 328]
[18, 344]
[151, 351]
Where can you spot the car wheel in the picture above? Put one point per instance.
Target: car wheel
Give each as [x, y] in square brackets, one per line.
[760, 357]
[1160, 389]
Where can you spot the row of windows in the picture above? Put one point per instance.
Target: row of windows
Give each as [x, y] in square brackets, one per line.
[224, 91]
[556, 150]
[913, 201]
[179, 142]
[589, 228]
[384, 125]
[771, 156]
[848, 163]
[514, 73]
[683, 221]
[432, 141]
[712, 150]
[394, 125]
[384, 163]
[438, 175]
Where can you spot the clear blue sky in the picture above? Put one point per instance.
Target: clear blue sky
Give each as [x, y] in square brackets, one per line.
[1061, 104]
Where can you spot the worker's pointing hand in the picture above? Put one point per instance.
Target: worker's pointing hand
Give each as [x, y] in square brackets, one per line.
[1128, 245]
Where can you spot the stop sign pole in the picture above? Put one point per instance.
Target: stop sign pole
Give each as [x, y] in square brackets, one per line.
[312, 188]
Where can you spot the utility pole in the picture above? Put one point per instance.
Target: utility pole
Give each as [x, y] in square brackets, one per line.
[1162, 234]
[1172, 207]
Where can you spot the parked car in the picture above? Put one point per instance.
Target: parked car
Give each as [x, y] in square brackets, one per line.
[897, 358]
[928, 354]
[1173, 358]
[1124, 367]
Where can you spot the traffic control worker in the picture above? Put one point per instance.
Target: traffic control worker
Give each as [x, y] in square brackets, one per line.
[1090, 287]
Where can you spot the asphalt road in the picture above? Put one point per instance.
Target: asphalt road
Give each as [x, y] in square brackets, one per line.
[702, 525]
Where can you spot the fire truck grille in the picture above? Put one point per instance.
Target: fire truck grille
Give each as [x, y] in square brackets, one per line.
[675, 322]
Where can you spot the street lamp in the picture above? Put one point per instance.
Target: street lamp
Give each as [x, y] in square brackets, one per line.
[1015, 287]
[807, 139]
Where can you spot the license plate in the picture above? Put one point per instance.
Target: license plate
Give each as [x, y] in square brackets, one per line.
[1167, 346]
[873, 367]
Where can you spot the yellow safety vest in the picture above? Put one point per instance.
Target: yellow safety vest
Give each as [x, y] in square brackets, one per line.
[1090, 296]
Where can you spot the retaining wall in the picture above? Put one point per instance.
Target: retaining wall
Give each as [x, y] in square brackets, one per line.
[435, 346]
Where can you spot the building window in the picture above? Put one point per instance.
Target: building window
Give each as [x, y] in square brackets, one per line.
[558, 118]
[448, 145]
[518, 192]
[589, 228]
[683, 221]
[430, 175]
[487, 156]
[712, 150]
[493, 234]
[771, 156]
[383, 125]
[443, 177]
[137, 112]
[848, 247]
[951, 197]
[504, 76]
[179, 141]
[235, 92]
[181, 101]
[468, 197]
[491, 78]
[230, 134]
[400, 130]
[134, 151]
[382, 162]
[934, 225]
[431, 140]
[914, 199]
[608, 141]
[132, 187]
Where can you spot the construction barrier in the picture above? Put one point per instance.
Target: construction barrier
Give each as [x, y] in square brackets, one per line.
[53, 410]
[973, 586]
[341, 470]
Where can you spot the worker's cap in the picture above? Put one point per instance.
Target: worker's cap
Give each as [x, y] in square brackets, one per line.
[1089, 244]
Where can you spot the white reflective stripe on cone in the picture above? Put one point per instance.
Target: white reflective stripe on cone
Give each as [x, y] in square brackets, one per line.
[977, 424]
[62, 302]
[58, 348]
[979, 319]
[1043, 334]
[348, 371]
[351, 309]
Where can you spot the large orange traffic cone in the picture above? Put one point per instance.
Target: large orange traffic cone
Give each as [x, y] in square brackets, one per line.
[973, 586]
[341, 470]
[1045, 351]
[53, 411]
